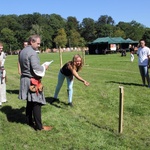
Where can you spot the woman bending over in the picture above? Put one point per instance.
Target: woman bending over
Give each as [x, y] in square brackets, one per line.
[69, 71]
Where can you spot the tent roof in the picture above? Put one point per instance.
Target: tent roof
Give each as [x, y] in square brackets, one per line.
[112, 40]
[103, 40]
[119, 40]
[109, 40]
[131, 41]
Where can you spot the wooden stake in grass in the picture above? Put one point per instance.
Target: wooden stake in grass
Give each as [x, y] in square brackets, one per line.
[121, 99]
[83, 56]
[60, 57]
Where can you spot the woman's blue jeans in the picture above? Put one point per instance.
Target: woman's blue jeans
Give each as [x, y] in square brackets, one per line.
[61, 79]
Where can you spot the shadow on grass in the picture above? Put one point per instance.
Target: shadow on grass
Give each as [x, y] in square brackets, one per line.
[124, 83]
[14, 115]
[12, 91]
[98, 126]
[57, 103]
[50, 100]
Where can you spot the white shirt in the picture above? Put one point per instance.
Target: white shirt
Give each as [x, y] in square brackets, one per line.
[143, 53]
[2, 58]
[40, 73]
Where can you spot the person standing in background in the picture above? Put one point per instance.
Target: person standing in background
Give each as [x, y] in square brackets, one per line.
[25, 44]
[143, 54]
[2, 76]
[132, 52]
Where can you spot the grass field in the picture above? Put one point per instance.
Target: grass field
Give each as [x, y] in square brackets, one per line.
[92, 124]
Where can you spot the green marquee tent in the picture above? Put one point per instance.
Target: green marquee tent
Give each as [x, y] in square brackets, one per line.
[99, 45]
[103, 40]
[110, 40]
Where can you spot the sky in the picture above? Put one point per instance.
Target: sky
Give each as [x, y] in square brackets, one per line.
[119, 10]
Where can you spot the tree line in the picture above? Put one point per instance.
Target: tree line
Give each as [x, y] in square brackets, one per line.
[57, 32]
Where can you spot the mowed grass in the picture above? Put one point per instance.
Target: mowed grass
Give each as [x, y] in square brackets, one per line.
[92, 124]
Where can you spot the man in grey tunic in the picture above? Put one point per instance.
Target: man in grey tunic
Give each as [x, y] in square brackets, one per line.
[30, 64]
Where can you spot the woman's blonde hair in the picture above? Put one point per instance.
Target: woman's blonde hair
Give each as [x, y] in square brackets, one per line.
[74, 59]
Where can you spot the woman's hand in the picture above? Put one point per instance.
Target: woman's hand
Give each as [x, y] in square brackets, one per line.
[86, 83]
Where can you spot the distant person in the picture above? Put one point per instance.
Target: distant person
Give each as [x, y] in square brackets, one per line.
[25, 44]
[96, 51]
[131, 52]
[105, 51]
[69, 71]
[30, 83]
[143, 54]
[2, 76]
[123, 52]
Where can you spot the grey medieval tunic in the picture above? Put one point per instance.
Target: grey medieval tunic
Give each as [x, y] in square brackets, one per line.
[29, 61]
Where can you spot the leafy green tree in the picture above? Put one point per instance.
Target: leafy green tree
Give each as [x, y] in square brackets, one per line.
[36, 29]
[61, 41]
[61, 38]
[9, 21]
[119, 33]
[56, 22]
[3, 21]
[21, 36]
[72, 23]
[133, 30]
[48, 32]
[47, 38]
[82, 42]
[105, 19]
[26, 21]
[104, 26]
[88, 24]
[104, 30]
[7, 36]
[146, 36]
[75, 38]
